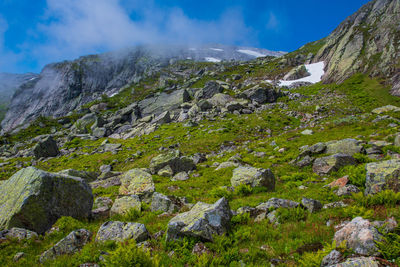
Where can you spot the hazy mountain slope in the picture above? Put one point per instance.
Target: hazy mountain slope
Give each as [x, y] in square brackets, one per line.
[62, 87]
[367, 42]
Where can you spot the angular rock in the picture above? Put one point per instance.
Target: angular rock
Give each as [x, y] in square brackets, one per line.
[137, 182]
[339, 182]
[163, 203]
[334, 257]
[311, 204]
[384, 109]
[83, 125]
[326, 165]
[345, 146]
[87, 176]
[382, 175]
[202, 221]
[120, 231]
[123, 205]
[210, 89]
[163, 118]
[359, 261]
[166, 172]
[181, 176]
[337, 204]
[102, 202]
[227, 164]
[261, 95]
[253, 177]
[220, 100]
[174, 160]
[347, 190]
[35, 199]
[46, 148]
[71, 244]
[277, 203]
[18, 233]
[360, 236]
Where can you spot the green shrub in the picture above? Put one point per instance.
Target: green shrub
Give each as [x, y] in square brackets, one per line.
[220, 192]
[356, 211]
[291, 215]
[128, 254]
[241, 218]
[386, 197]
[357, 174]
[390, 246]
[243, 190]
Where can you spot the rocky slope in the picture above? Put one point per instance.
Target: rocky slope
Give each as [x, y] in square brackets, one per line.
[63, 87]
[366, 42]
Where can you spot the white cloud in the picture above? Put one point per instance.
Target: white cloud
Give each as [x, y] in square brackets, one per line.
[76, 27]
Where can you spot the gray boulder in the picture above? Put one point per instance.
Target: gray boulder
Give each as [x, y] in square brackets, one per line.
[87, 176]
[261, 95]
[124, 204]
[333, 258]
[120, 231]
[382, 175]
[163, 203]
[326, 165]
[276, 203]
[347, 190]
[137, 182]
[360, 236]
[359, 261]
[296, 73]
[345, 146]
[17, 233]
[71, 244]
[46, 148]
[210, 89]
[202, 221]
[35, 199]
[253, 177]
[83, 125]
[173, 159]
[311, 204]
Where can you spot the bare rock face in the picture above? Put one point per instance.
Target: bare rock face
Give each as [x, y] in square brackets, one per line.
[365, 42]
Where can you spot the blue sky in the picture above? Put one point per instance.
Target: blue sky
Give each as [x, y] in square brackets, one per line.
[35, 33]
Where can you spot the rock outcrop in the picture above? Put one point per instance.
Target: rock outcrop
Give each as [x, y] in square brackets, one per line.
[35, 199]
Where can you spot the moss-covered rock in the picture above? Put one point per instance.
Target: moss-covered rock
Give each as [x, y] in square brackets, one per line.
[345, 146]
[87, 176]
[34, 199]
[173, 159]
[120, 231]
[202, 221]
[137, 182]
[253, 177]
[123, 205]
[46, 148]
[382, 175]
[326, 165]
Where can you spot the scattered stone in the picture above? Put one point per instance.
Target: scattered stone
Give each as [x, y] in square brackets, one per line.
[382, 175]
[105, 168]
[124, 204]
[35, 199]
[334, 257]
[46, 148]
[172, 159]
[384, 109]
[311, 204]
[389, 225]
[339, 182]
[88, 176]
[345, 146]
[360, 236]
[210, 89]
[227, 164]
[199, 249]
[181, 176]
[360, 261]
[326, 165]
[242, 210]
[277, 203]
[307, 132]
[18, 233]
[347, 190]
[202, 221]
[120, 231]
[338, 204]
[18, 256]
[253, 177]
[163, 203]
[71, 244]
[166, 172]
[137, 182]
[306, 161]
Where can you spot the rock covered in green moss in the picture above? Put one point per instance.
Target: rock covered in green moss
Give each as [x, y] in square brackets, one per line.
[382, 175]
[163, 203]
[253, 177]
[202, 221]
[137, 182]
[34, 199]
[123, 205]
[120, 231]
[71, 244]
[275, 203]
[345, 146]
[384, 109]
[326, 165]
[46, 148]
[18, 233]
[172, 159]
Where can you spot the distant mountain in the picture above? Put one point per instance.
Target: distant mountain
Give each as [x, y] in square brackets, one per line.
[366, 42]
[63, 87]
[9, 83]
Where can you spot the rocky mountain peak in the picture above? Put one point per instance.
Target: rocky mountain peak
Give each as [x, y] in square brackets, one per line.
[367, 42]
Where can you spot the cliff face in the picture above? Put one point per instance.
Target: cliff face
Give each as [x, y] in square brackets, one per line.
[367, 42]
[63, 87]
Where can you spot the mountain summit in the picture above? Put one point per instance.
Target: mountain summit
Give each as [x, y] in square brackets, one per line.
[366, 42]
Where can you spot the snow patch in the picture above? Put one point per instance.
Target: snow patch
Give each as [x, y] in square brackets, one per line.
[316, 70]
[251, 53]
[212, 59]
[217, 49]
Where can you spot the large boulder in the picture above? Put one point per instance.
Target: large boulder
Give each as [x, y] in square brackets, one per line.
[220, 100]
[253, 177]
[297, 73]
[361, 236]
[275, 203]
[174, 160]
[137, 182]
[83, 125]
[124, 204]
[382, 175]
[71, 244]
[210, 89]
[46, 148]
[34, 199]
[345, 146]
[17, 233]
[120, 231]
[261, 95]
[326, 165]
[202, 221]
